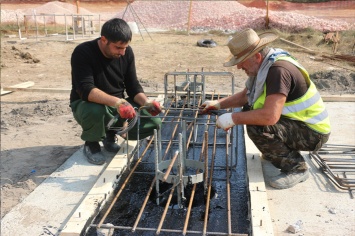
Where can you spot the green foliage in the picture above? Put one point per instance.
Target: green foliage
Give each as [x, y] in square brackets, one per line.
[9, 28]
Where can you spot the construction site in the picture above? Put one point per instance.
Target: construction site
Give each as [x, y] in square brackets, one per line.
[189, 177]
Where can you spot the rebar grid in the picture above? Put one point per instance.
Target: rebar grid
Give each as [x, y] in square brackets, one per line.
[185, 137]
[201, 147]
[338, 163]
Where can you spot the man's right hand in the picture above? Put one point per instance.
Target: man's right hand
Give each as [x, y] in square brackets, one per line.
[207, 106]
[125, 109]
[153, 107]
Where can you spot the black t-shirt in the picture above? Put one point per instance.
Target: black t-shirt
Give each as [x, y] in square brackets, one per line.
[91, 69]
[285, 78]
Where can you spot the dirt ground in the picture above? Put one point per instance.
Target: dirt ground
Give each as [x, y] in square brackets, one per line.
[38, 132]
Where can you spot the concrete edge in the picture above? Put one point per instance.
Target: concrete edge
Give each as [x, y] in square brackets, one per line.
[46, 209]
[260, 211]
[101, 192]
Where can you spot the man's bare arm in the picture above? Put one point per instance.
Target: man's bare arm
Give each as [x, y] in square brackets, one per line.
[140, 98]
[236, 100]
[268, 115]
[98, 96]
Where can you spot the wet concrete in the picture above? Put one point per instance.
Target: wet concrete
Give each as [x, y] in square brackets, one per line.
[125, 211]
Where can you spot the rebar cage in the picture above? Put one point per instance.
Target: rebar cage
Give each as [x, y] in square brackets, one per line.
[197, 163]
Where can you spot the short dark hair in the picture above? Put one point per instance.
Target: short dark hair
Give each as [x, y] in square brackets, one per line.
[116, 30]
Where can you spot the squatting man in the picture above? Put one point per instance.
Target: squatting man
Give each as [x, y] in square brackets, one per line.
[104, 69]
[282, 109]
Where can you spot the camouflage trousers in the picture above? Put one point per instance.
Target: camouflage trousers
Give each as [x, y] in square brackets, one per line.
[281, 143]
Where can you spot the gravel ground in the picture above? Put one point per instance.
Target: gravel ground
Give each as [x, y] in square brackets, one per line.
[176, 15]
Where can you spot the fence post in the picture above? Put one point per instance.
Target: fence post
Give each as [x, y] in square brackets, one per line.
[66, 26]
[44, 22]
[19, 28]
[35, 16]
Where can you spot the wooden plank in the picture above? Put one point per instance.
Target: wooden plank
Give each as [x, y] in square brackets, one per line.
[41, 90]
[10, 89]
[3, 92]
[295, 44]
[259, 207]
[97, 197]
[63, 90]
[24, 87]
[339, 98]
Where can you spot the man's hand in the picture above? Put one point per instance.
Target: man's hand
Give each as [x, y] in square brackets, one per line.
[207, 106]
[125, 109]
[153, 107]
[225, 121]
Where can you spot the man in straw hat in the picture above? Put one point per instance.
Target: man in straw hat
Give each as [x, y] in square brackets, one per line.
[282, 108]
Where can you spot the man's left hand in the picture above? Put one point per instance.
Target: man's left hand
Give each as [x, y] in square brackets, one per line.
[153, 107]
[225, 121]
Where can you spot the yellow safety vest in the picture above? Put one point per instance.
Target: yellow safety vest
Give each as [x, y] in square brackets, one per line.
[309, 108]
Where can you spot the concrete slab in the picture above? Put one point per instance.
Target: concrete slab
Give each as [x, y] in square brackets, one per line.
[100, 193]
[49, 207]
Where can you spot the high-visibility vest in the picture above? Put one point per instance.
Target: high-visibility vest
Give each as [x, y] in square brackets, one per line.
[309, 108]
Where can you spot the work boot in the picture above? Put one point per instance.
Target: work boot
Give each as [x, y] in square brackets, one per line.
[288, 180]
[92, 151]
[110, 142]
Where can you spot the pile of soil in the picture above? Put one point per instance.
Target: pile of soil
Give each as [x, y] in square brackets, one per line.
[334, 82]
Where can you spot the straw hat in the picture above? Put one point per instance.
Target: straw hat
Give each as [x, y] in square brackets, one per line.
[245, 44]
